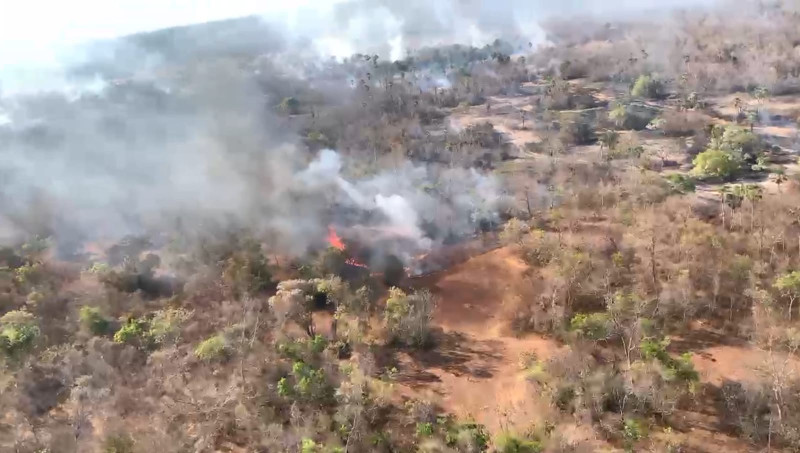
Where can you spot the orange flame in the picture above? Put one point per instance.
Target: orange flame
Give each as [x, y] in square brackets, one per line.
[334, 240]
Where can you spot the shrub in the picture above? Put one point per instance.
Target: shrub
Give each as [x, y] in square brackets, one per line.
[134, 332]
[564, 396]
[331, 262]
[594, 326]
[508, 443]
[736, 139]
[647, 86]
[577, 131]
[118, 443]
[93, 321]
[632, 431]
[212, 348]
[424, 429]
[310, 384]
[247, 271]
[29, 274]
[513, 231]
[18, 332]
[302, 349]
[289, 106]
[466, 437]
[408, 317]
[681, 183]
[165, 325]
[674, 123]
[632, 116]
[309, 446]
[716, 163]
[538, 249]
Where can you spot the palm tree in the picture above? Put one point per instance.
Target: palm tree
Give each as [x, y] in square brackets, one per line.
[780, 178]
[608, 139]
[750, 192]
[725, 192]
[753, 193]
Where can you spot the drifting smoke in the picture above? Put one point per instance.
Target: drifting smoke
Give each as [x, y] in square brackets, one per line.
[205, 153]
[421, 205]
[177, 133]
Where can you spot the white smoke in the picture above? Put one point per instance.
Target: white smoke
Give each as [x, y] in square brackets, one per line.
[451, 202]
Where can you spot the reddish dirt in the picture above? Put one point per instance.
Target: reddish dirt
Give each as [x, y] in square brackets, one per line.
[474, 371]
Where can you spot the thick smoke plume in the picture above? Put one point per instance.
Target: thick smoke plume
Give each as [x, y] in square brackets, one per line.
[202, 151]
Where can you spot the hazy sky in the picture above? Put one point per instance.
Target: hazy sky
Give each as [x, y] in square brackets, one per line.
[37, 37]
[32, 30]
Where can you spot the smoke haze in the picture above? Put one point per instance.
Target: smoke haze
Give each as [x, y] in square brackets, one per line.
[177, 127]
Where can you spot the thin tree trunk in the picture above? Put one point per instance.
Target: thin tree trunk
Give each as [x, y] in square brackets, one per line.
[528, 203]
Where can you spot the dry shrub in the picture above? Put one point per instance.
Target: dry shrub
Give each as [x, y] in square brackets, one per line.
[674, 123]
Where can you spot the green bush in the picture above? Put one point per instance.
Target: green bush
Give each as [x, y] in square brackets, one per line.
[466, 436]
[212, 348]
[508, 443]
[678, 369]
[309, 446]
[408, 317]
[29, 274]
[717, 164]
[119, 443]
[302, 349]
[647, 86]
[632, 431]
[424, 429]
[592, 326]
[93, 321]
[289, 106]
[18, 332]
[735, 139]
[681, 183]
[311, 383]
[134, 332]
[166, 324]
[631, 116]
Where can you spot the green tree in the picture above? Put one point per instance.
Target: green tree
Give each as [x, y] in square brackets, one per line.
[789, 287]
[646, 86]
[134, 332]
[212, 348]
[289, 106]
[93, 321]
[609, 140]
[18, 332]
[618, 114]
[408, 317]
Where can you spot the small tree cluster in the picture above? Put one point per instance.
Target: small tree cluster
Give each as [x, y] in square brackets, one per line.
[408, 317]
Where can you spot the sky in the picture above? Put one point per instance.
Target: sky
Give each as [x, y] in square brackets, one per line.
[37, 37]
[33, 31]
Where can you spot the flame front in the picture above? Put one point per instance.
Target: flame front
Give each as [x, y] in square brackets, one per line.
[334, 240]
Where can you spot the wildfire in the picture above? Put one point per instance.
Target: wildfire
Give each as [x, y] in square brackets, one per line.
[355, 262]
[336, 242]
